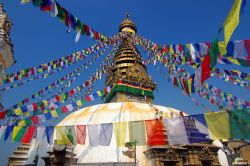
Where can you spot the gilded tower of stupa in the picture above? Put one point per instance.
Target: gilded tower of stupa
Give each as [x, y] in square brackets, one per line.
[128, 74]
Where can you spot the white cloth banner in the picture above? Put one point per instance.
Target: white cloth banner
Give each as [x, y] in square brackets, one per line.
[176, 131]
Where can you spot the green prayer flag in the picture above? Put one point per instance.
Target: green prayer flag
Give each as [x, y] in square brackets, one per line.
[137, 132]
[214, 52]
[70, 132]
[239, 124]
[59, 111]
[61, 13]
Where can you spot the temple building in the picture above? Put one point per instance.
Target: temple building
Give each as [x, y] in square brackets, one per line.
[129, 100]
[6, 46]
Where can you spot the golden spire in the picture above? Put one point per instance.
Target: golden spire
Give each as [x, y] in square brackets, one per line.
[127, 25]
[128, 74]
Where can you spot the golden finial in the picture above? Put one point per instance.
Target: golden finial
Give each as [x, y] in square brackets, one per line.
[127, 15]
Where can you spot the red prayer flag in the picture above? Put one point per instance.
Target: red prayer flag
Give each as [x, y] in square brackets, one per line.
[81, 134]
[2, 114]
[88, 98]
[71, 92]
[67, 19]
[35, 106]
[86, 28]
[28, 135]
[64, 109]
[205, 68]
[247, 46]
[155, 132]
[35, 120]
[57, 98]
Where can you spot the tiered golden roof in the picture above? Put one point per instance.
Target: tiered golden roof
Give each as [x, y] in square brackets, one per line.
[126, 56]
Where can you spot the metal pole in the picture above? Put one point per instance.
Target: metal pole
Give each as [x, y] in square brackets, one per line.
[135, 152]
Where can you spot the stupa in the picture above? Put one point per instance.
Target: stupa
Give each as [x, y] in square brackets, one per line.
[130, 99]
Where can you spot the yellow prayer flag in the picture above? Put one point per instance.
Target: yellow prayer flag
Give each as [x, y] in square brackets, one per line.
[220, 129]
[183, 60]
[232, 21]
[171, 51]
[79, 103]
[18, 111]
[26, 114]
[99, 93]
[22, 123]
[25, 1]
[248, 77]
[19, 77]
[189, 81]
[222, 48]
[60, 136]
[233, 60]
[54, 113]
[120, 130]
[45, 102]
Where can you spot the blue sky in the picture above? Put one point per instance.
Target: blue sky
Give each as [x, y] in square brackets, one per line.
[39, 38]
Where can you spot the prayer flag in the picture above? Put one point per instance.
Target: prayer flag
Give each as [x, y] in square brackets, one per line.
[232, 21]
[53, 9]
[54, 113]
[18, 133]
[220, 129]
[8, 131]
[60, 136]
[247, 47]
[196, 128]
[2, 114]
[239, 124]
[2, 130]
[238, 48]
[155, 132]
[78, 35]
[71, 134]
[70, 107]
[120, 131]
[18, 111]
[197, 78]
[35, 120]
[81, 134]
[214, 52]
[87, 98]
[79, 103]
[45, 5]
[203, 49]
[176, 131]
[93, 132]
[39, 134]
[105, 134]
[29, 134]
[48, 115]
[205, 68]
[137, 132]
[49, 133]
[25, 1]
